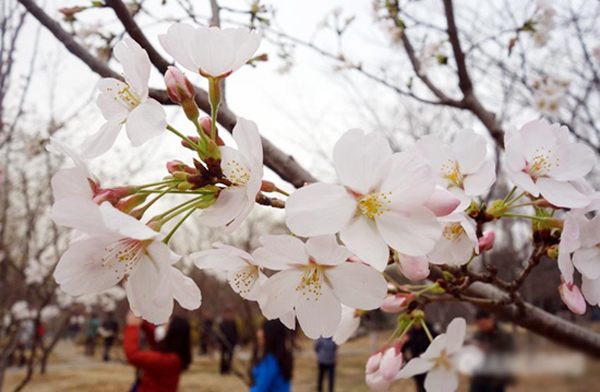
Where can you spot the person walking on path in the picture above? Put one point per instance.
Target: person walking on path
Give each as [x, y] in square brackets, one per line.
[326, 350]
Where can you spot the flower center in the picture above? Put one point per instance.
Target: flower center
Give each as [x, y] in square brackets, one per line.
[126, 97]
[540, 164]
[453, 231]
[311, 285]
[451, 171]
[236, 172]
[123, 256]
[443, 361]
[244, 280]
[373, 204]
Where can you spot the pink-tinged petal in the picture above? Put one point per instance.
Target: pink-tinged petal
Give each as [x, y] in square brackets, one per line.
[357, 285]
[178, 43]
[571, 162]
[572, 297]
[415, 366]
[217, 259]
[319, 209]
[319, 318]
[391, 362]
[245, 134]
[280, 291]
[455, 333]
[435, 152]
[348, 325]
[409, 180]
[442, 202]
[359, 159]
[523, 181]
[376, 382]
[486, 241]
[185, 290]
[462, 250]
[280, 252]
[414, 232]
[82, 269]
[148, 120]
[459, 193]
[537, 136]
[71, 182]
[441, 252]
[561, 194]
[591, 290]
[363, 239]
[216, 54]
[397, 303]
[373, 362]
[441, 379]
[103, 140]
[126, 225]
[470, 149]
[228, 206]
[414, 267]
[587, 261]
[481, 181]
[324, 249]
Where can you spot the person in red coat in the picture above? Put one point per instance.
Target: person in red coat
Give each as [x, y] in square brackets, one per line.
[161, 366]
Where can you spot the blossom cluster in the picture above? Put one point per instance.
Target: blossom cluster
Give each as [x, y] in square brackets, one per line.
[407, 209]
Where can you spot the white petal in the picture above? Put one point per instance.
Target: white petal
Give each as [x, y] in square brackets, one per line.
[348, 325]
[562, 194]
[244, 281]
[178, 43]
[537, 135]
[587, 261]
[136, 65]
[470, 149]
[359, 158]
[289, 320]
[280, 291]
[319, 317]
[62, 148]
[413, 233]
[409, 180]
[434, 350]
[390, 364]
[524, 181]
[228, 206]
[185, 290]
[480, 181]
[124, 224]
[71, 182]
[280, 251]
[591, 290]
[246, 43]
[245, 134]
[219, 259]
[414, 267]
[319, 209]
[435, 152]
[113, 108]
[455, 335]
[80, 214]
[324, 249]
[363, 239]
[145, 122]
[441, 380]
[357, 285]
[149, 294]
[572, 161]
[101, 141]
[415, 366]
[213, 53]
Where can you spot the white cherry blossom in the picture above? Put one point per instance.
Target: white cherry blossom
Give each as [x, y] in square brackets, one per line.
[348, 325]
[315, 280]
[458, 242]
[243, 273]
[379, 203]
[210, 51]
[440, 360]
[541, 160]
[244, 168]
[462, 167]
[127, 103]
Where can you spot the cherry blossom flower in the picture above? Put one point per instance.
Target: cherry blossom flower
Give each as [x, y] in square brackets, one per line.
[315, 280]
[244, 168]
[379, 204]
[210, 51]
[462, 167]
[440, 360]
[127, 103]
[348, 325]
[243, 273]
[458, 242]
[541, 160]
[116, 247]
[383, 368]
[486, 241]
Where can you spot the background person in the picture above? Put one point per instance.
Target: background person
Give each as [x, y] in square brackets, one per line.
[228, 338]
[91, 334]
[326, 350]
[273, 365]
[161, 366]
[206, 333]
[110, 328]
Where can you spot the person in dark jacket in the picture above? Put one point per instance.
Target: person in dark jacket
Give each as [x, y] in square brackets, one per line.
[162, 365]
[273, 363]
[494, 342]
[206, 333]
[228, 338]
[110, 330]
[416, 344]
[326, 350]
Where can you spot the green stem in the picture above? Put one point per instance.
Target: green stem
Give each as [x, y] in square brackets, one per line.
[214, 109]
[182, 210]
[510, 215]
[512, 192]
[515, 199]
[174, 229]
[169, 211]
[166, 182]
[424, 325]
[281, 191]
[521, 205]
[196, 192]
[187, 139]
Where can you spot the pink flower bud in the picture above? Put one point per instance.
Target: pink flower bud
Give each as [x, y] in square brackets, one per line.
[179, 87]
[572, 297]
[486, 241]
[373, 362]
[442, 202]
[267, 186]
[397, 303]
[391, 362]
[413, 267]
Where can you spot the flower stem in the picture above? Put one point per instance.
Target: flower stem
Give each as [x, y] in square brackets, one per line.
[512, 192]
[162, 216]
[515, 199]
[174, 229]
[182, 136]
[424, 325]
[537, 218]
[281, 191]
[166, 182]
